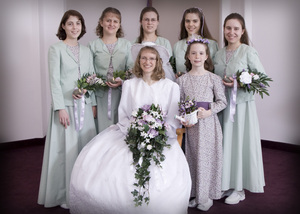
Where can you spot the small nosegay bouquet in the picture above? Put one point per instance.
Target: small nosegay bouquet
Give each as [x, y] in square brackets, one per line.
[187, 111]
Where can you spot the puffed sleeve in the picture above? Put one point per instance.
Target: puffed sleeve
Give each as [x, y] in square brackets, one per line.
[54, 75]
[173, 110]
[125, 108]
[220, 101]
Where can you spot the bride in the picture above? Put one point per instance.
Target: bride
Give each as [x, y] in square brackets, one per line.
[103, 175]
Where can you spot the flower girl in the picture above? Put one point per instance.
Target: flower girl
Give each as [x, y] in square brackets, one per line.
[204, 139]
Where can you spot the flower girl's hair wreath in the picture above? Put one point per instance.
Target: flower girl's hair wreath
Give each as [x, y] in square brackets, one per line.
[208, 64]
[197, 38]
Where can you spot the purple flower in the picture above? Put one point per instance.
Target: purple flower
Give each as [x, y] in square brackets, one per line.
[152, 133]
[148, 118]
[146, 107]
[187, 105]
[262, 85]
[141, 122]
[159, 121]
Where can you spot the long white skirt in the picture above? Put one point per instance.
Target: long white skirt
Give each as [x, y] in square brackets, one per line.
[103, 176]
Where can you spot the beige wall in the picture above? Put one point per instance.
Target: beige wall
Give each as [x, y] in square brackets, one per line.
[29, 27]
[275, 35]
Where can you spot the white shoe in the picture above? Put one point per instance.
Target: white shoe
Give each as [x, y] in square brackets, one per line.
[65, 206]
[205, 206]
[226, 193]
[235, 197]
[193, 203]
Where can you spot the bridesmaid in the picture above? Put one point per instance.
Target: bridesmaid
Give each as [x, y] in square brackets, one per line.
[110, 53]
[67, 60]
[242, 164]
[149, 21]
[193, 22]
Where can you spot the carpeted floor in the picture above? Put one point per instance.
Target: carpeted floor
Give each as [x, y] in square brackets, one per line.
[20, 168]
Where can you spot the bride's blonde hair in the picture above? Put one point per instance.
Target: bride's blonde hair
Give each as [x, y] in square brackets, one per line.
[158, 72]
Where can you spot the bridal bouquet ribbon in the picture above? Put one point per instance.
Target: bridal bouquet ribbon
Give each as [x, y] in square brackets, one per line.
[250, 81]
[89, 82]
[146, 139]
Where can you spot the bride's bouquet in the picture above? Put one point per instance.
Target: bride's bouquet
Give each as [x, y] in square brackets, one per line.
[146, 139]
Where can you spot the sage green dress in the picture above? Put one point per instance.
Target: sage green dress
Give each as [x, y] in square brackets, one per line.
[106, 61]
[62, 145]
[242, 155]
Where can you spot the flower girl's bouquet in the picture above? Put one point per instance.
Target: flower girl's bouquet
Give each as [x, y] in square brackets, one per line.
[146, 139]
[187, 111]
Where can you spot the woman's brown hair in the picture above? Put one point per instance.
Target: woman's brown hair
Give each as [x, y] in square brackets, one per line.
[61, 33]
[145, 10]
[99, 28]
[205, 32]
[245, 38]
[208, 64]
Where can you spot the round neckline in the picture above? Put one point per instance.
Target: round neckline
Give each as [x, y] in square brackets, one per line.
[77, 45]
[206, 73]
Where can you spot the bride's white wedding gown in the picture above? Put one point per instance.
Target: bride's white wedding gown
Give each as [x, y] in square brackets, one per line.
[103, 174]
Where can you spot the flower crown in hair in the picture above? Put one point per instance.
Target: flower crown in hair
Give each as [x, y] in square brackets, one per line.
[197, 38]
